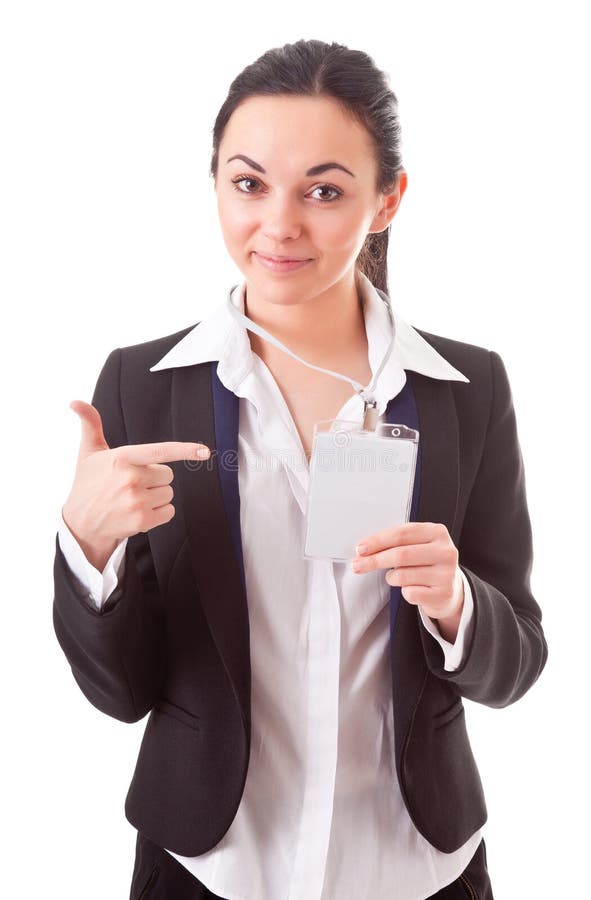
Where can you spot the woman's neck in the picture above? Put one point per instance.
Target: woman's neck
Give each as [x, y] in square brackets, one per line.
[326, 328]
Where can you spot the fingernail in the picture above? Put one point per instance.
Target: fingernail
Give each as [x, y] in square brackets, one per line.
[360, 549]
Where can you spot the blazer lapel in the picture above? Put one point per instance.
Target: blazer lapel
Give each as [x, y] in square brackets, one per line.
[440, 450]
[203, 410]
[438, 500]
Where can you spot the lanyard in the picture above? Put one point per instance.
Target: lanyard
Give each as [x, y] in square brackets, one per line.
[367, 393]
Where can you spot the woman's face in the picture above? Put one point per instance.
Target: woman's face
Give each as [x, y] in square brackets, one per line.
[323, 217]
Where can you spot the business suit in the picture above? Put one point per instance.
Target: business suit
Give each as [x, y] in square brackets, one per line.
[190, 661]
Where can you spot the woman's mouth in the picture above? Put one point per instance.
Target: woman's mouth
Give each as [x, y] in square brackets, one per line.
[281, 265]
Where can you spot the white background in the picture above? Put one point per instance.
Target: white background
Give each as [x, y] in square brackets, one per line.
[109, 236]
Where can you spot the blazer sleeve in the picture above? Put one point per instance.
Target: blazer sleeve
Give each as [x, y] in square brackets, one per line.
[94, 585]
[117, 653]
[507, 649]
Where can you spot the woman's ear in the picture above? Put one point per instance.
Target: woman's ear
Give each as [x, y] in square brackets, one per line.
[390, 202]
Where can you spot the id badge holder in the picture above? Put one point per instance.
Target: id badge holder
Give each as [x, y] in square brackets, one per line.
[360, 482]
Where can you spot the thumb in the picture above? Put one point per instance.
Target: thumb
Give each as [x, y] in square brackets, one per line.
[92, 437]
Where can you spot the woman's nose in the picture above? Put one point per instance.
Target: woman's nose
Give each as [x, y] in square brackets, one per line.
[282, 220]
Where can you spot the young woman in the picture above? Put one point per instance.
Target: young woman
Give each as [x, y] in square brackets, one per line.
[306, 734]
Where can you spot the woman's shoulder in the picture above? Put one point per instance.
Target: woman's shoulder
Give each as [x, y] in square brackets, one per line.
[489, 383]
[473, 360]
[147, 353]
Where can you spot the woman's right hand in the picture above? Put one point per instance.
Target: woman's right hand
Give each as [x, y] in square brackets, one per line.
[118, 493]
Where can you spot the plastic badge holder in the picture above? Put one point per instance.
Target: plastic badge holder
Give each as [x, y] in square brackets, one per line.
[360, 482]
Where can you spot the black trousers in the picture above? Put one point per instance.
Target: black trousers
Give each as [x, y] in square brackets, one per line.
[159, 876]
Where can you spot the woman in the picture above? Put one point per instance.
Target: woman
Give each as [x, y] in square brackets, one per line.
[308, 741]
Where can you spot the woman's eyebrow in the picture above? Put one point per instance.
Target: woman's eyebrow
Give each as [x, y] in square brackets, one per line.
[315, 170]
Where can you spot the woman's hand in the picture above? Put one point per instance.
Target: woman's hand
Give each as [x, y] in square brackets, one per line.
[423, 560]
[119, 492]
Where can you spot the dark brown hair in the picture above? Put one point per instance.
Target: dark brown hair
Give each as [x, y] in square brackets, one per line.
[314, 68]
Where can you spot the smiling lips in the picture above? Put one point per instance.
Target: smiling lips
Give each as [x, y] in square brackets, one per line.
[281, 264]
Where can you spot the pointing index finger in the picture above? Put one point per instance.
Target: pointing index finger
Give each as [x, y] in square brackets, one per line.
[162, 452]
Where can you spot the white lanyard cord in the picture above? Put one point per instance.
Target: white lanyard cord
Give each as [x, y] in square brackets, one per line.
[366, 393]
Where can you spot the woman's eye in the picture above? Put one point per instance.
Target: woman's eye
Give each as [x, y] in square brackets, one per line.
[243, 179]
[328, 187]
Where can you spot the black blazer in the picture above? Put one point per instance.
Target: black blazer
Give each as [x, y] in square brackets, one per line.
[173, 639]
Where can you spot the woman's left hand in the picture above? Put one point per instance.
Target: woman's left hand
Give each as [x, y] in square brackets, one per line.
[425, 561]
